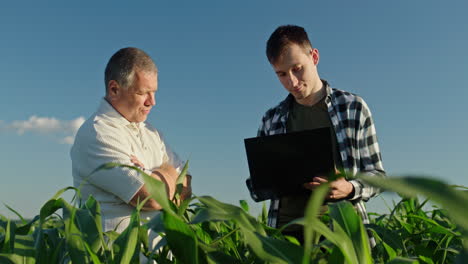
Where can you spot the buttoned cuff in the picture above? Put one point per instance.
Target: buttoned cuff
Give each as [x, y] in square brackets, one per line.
[357, 189]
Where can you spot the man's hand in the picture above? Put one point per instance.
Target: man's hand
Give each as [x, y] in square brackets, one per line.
[339, 189]
[187, 188]
[137, 162]
[166, 174]
[170, 176]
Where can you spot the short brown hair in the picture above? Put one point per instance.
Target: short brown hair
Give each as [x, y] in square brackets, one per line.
[123, 64]
[284, 36]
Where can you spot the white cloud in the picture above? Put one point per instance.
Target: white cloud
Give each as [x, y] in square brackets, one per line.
[36, 124]
[64, 129]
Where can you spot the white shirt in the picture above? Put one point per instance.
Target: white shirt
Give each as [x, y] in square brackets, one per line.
[108, 137]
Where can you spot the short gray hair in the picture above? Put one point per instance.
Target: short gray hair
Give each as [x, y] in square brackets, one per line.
[123, 64]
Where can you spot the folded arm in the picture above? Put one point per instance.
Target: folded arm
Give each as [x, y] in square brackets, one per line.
[167, 174]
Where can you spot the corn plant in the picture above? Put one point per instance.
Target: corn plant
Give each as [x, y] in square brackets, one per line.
[205, 230]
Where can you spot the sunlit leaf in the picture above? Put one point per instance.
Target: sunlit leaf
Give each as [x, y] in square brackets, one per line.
[453, 200]
[181, 239]
[310, 218]
[345, 215]
[126, 244]
[273, 250]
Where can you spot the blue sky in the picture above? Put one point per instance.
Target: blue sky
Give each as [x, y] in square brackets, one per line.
[407, 59]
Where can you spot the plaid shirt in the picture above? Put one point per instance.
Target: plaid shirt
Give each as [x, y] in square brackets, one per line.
[356, 139]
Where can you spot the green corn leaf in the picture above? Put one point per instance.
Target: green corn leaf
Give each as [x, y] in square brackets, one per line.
[217, 210]
[125, 246]
[401, 260]
[182, 175]
[156, 224]
[204, 232]
[6, 258]
[111, 235]
[345, 215]
[453, 200]
[50, 207]
[180, 182]
[58, 252]
[24, 246]
[263, 219]
[88, 221]
[9, 239]
[390, 236]
[143, 237]
[73, 235]
[436, 227]
[181, 239]
[310, 218]
[221, 257]
[183, 206]
[390, 251]
[336, 256]
[61, 191]
[271, 249]
[337, 237]
[94, 257]
[16, 213]
[244, 205]
[426, 260]
[345, 244]
[24, 229]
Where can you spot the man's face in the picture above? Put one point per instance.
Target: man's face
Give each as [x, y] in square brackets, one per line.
[135, 102]
[296, 69]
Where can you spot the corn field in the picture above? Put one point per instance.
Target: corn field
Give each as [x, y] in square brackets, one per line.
[205, 230]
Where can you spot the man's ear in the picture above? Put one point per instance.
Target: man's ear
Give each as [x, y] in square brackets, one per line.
[315, 56]
[113, 90]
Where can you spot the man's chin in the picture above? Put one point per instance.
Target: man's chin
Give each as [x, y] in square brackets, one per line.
[298, 96]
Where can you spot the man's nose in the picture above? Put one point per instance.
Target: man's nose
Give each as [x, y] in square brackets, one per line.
[293, 81]
[151, 101]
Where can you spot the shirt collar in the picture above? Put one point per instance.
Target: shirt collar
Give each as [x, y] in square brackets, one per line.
[107, 111]
[329, 90]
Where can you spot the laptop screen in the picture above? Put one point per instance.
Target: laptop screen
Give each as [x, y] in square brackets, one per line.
[282, 163]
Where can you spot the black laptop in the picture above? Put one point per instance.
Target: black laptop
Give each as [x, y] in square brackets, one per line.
[280, 164]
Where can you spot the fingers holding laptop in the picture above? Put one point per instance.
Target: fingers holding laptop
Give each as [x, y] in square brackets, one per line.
[316, 182]
[339, 188]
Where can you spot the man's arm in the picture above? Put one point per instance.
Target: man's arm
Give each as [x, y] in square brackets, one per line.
[104, 145]
[370, 156]
[166, 174]
[370, 164]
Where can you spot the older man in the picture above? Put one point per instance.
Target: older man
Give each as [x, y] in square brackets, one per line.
[118, 133]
